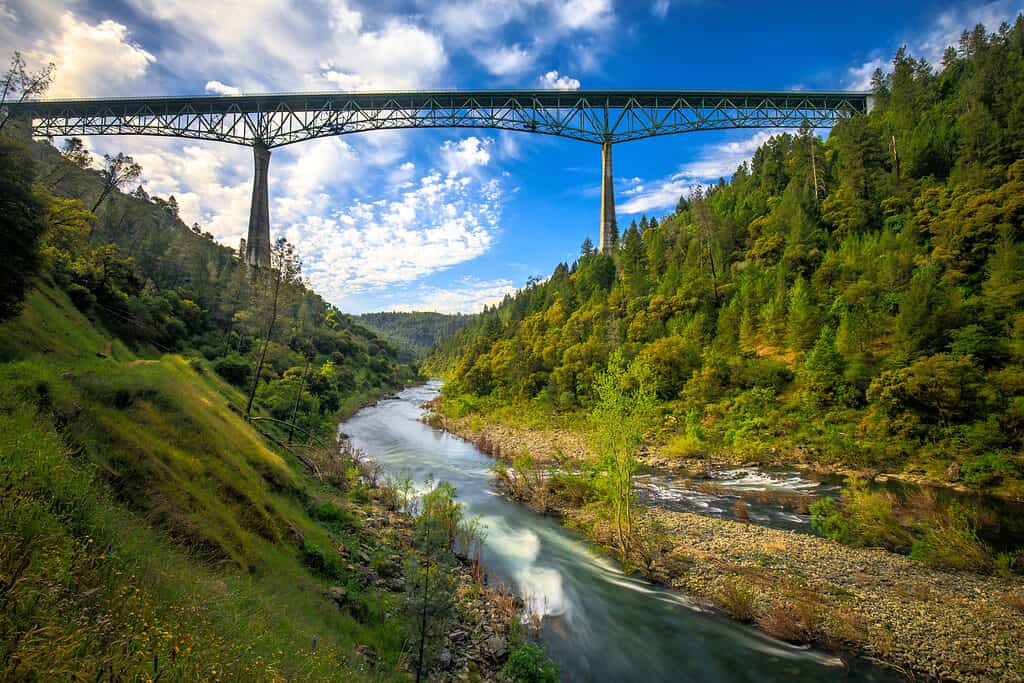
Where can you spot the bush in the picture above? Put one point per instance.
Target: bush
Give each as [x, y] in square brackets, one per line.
[80, 296]
[737, 599]
[866, 520]
[987, 469]
[319, 562]
[527, 664]
[235, 368]
[794, 622]
[950, 541]
[336, 517]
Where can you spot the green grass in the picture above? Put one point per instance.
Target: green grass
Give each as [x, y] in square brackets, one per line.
[151, 529]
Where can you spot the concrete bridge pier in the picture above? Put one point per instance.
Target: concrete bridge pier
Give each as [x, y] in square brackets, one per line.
[257, 244]
[609, 227]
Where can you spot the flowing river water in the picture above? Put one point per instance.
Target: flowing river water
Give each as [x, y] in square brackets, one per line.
[599, 623]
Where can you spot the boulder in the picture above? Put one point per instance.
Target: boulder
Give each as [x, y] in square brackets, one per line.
[496, 647]
[338, 595]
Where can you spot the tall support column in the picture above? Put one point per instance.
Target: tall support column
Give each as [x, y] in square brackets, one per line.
[609, 228]
[257, 251]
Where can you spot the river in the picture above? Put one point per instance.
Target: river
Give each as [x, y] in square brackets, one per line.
[599, 623]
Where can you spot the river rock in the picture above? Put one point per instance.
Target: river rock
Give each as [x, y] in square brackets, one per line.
[338, 595]
[496, 647]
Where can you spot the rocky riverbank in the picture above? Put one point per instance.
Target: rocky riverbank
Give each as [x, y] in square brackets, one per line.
[487, 621]
[802, 588]
[549, 444]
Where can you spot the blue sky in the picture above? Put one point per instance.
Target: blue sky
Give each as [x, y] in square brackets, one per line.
[452, 220]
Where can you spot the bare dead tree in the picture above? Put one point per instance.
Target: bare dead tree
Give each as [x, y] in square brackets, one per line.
[116, 173]
[19, 85]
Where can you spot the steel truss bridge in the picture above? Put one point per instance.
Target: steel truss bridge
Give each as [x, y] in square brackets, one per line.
[604, 117]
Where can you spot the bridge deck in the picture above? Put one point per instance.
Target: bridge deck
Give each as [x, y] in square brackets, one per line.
[590, 115]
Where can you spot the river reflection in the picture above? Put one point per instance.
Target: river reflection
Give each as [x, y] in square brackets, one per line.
[600, 624]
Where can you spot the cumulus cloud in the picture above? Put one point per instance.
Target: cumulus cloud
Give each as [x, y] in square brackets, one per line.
[218, 88]
[443, 220]
[466, 154]
[93, 60]
[588, 14]
[326, 46]
[552, 81]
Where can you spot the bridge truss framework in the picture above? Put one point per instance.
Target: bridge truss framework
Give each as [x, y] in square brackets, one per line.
[264, 122]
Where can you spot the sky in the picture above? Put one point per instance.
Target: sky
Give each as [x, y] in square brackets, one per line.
[452, 220]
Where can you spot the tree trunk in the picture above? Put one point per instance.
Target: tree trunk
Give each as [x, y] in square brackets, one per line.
[263, 351]
[103, 195]
[423, 623]
[295, 407]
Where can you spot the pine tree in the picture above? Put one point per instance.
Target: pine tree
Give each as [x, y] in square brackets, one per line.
[802, 317]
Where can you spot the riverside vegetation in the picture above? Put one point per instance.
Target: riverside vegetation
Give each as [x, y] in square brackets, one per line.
[172, 502]
[852, 305]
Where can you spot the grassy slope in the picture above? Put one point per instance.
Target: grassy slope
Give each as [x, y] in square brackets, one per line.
[145, 526]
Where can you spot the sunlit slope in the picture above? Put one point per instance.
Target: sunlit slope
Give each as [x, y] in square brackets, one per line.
[147, 525]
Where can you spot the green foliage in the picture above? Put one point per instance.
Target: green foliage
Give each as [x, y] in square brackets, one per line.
[235, 368]
[621, 416]
[872, 296]
[866, 519]
[949, 540]
[138, 508]
[22, 222]
[320, 562]
[414, 334]
[527, 664]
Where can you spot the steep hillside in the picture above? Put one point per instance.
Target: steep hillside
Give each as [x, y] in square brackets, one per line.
[853, 302]
[161, 286]
[122, 477]
[414, 334]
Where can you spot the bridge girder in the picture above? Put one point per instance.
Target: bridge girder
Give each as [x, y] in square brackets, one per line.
[588, 116]
[264, 122]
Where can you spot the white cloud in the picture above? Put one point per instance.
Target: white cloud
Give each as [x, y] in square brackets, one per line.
[467, 295]
[507, 60]
[438, 223]
[466, 154]
[660, 8]
[552, 81]
[92, 60]
[933, 41]
[859, 77]
[218, 88]
[584, 14]
[323, 46]
[716, 161]
[476, 19]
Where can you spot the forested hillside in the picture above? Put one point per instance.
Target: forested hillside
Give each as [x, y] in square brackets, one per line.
[414, 334]
[175, 504]
[129, 262]
[855, 301]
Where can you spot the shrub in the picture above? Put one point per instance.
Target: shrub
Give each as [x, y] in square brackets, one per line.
[319, 562]
[527, 664]
[235, 368]
[950, 541]
[737, 599]
[1006, 564]
[866, 520]
[336, 517]
[987, 469]
[794, 622]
